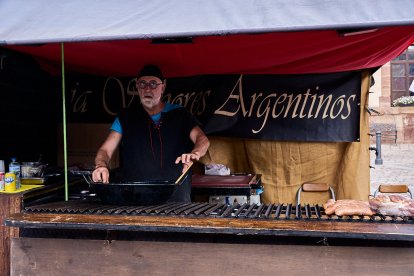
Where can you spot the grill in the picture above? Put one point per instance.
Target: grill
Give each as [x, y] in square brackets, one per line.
[202, 210]
[213, 218]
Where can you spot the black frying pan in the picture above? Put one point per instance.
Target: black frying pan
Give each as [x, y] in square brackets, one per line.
[132, 193]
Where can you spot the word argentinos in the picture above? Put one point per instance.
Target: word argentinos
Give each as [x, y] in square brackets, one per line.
[306, 105]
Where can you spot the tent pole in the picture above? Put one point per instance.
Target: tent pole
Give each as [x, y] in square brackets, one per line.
[65, 157]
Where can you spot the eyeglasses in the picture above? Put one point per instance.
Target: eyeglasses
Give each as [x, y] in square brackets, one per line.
[151, 84]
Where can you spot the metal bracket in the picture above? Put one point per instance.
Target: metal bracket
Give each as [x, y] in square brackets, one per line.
[370, 110]
[301, 189]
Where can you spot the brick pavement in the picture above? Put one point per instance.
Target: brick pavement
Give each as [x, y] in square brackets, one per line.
[397, 168]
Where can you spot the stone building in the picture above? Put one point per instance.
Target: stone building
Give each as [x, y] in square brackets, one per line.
[392, 81]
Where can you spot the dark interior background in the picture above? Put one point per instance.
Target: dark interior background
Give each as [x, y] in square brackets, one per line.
[30, 109]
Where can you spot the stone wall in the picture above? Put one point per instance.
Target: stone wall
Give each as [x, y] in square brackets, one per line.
[401, 117]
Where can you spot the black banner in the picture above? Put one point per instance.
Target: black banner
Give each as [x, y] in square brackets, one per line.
[317, 107]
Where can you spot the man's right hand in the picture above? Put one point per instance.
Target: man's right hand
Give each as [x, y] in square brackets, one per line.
[101, 174]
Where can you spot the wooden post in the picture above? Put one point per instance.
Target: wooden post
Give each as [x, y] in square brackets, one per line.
[9, 204]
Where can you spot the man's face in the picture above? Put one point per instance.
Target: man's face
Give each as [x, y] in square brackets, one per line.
[150, 90]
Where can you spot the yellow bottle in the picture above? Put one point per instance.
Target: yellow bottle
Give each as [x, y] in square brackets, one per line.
[10, 182]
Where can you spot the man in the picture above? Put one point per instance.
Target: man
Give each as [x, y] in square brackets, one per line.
[158, 140]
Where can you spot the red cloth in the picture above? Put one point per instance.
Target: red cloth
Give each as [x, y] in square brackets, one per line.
[223, 181]
[301, 52]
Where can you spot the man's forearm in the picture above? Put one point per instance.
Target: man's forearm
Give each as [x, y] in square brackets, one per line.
[201, 146]
[101, 159]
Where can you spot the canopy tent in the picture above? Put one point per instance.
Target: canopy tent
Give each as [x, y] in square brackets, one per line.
[214, 37]
[187, 38]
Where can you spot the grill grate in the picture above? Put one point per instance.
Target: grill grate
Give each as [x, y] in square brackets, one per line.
[245, 211]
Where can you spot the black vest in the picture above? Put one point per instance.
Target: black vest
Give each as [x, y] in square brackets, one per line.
[148, 151]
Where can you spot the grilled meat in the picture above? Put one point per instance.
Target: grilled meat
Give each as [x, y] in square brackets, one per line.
[393, 205]
[348, 207]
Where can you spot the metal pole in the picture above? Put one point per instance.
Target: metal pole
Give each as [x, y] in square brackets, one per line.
[65, 157]
[378, 159]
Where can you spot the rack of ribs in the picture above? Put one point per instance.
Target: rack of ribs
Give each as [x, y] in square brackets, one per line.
[393, 205]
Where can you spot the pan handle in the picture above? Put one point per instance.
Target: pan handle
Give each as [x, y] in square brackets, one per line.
[88, 179]
[87, 175]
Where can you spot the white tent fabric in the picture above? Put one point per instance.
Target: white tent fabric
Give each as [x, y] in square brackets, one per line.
[45, 21]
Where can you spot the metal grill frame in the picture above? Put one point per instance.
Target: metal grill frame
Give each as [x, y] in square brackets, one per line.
[235, 211]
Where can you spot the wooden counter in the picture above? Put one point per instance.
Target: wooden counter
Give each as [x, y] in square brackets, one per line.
[329, 229]
[151, 244]
[13, 204]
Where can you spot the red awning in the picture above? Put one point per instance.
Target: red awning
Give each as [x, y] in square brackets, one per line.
[301, 52]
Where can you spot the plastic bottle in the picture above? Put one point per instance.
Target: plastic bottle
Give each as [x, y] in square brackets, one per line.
[2, 172]
[14, 167]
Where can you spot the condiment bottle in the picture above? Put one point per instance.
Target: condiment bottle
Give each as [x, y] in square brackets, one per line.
[14, 167]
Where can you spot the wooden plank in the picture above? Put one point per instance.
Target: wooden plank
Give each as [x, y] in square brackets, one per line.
[397, 188]
[33, 256]
[315, 228]
[315, 187]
